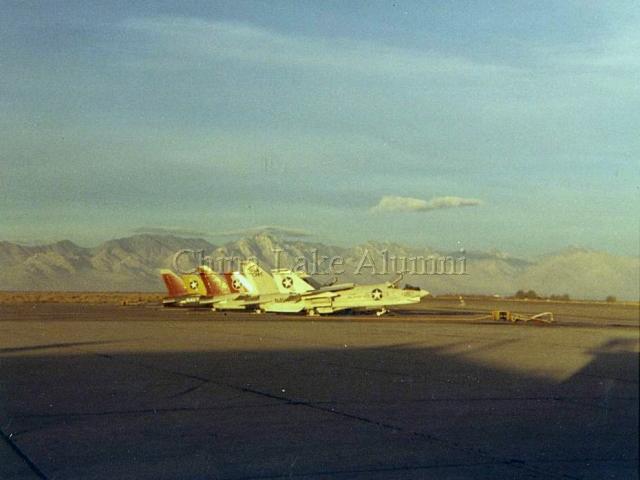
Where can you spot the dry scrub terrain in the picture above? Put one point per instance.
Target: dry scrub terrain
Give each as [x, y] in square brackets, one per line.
[116, 298]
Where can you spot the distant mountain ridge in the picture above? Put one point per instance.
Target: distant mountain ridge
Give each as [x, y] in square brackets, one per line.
[132, 263]
[125, 264]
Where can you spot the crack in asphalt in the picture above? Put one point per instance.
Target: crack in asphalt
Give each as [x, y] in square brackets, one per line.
[514, 462]
[32, 466]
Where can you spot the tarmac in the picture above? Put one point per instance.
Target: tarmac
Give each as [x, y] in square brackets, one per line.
[439, 391]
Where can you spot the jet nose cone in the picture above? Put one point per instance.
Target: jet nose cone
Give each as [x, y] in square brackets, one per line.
[415, 294]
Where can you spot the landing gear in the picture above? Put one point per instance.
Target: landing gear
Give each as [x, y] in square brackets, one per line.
[312, 312]
[382, 311]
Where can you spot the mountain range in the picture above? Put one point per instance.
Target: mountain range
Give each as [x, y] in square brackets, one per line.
[132, 263]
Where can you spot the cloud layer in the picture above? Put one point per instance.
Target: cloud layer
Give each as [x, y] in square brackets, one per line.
[390, 203]
[269, 229]
[188, 38]
[177, 231]
[207, 120]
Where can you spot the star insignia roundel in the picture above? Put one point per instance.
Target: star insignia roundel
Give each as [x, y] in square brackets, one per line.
[376, 294]
[287, 282]
[193, 284]
[236, 284]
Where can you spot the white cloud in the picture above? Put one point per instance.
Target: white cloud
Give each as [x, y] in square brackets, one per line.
[190, 38]
[268, 229]
[243, 232]
[390, 203]
[178, 231]
[188, 43]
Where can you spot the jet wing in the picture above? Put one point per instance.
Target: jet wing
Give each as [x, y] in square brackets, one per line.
[334, 288]
[317, 294]
[206, 301]
[237, 300]
[251, 300]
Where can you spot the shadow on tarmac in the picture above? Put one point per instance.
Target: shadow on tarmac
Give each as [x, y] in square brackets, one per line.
[387, 412]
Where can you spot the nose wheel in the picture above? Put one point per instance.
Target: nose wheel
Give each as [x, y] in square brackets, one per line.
[382, 311]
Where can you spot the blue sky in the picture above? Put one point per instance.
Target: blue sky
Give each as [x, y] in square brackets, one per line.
[117, 118]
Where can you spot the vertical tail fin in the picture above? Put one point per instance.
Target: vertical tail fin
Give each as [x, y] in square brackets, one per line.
[174, 284]
[214, 285]
[261, 282]
[193, 284]
[234, 283]
[290, 282]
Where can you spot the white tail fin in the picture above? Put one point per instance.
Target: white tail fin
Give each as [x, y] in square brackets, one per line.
[241, 284]
[235, 283]
[260, 281]
[290, 282]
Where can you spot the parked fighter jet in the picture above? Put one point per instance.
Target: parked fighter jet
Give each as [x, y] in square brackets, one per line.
[233, 291]
[261, 285]
[335, 298]
[188, 291]
[225, 290]
[289, 292]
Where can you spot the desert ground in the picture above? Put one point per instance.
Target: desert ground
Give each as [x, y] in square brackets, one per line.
[118, 387]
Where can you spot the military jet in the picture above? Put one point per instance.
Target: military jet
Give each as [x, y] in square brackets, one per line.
[185, 291]
[227, 290]
[306, 295]
[285, 292]
[266, 295]
[234, 291]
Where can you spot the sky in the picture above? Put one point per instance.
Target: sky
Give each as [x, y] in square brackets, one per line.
[484, 124]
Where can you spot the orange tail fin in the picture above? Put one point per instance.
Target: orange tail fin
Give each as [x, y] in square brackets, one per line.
[174, 284]
[212, 282]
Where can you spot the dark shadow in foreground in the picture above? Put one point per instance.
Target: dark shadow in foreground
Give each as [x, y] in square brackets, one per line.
[388, 412]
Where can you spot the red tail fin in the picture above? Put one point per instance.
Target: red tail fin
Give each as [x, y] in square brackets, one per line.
[174, 284]
[212, 282]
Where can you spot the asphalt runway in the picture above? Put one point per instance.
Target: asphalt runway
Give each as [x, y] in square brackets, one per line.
[141, 392]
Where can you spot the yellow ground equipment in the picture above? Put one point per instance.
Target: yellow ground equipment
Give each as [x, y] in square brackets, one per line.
[506, 316]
